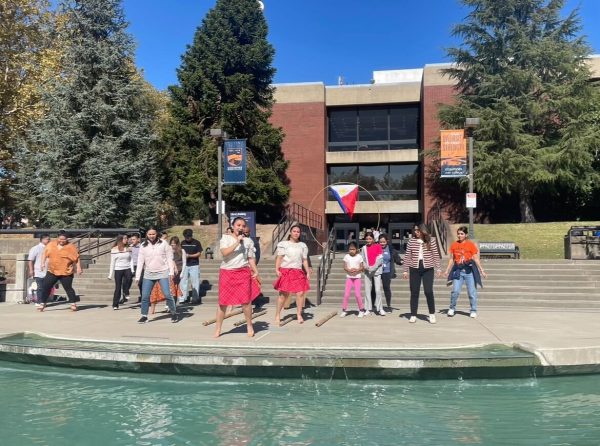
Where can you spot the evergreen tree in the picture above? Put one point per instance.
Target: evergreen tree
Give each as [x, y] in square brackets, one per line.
[225, 82]
[522, 69]
[89, 160]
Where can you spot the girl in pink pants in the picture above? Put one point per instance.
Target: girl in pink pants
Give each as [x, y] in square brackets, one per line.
[354, 266]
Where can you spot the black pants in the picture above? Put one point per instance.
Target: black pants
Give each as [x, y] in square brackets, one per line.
[386, 281]
[415, 277]
[122, 284]
[66, 281]
[139, 283]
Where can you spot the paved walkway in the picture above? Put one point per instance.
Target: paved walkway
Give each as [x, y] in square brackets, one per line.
[557, 338]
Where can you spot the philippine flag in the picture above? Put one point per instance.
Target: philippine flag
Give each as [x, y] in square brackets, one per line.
[346, 195]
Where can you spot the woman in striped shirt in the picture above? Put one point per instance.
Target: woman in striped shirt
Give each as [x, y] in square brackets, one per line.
[422, 256]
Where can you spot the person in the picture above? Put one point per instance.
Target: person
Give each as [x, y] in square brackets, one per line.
[354, 266]
[292, 257]
[156, 260]
[464, 267]
[372, 256]
[164, 235]
[63, 262]
[376, 233]
[388, 272]
[422, 256]
[179, 258]
[134, 247]
[260, 299]
[192, 249]
[229, 230]
[121, 266]
[34, 261]
[239, 281]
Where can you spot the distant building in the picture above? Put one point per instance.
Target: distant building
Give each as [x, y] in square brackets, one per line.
[373, 135]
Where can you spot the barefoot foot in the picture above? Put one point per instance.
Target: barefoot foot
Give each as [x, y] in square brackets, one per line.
[300, 319]
[217, 334]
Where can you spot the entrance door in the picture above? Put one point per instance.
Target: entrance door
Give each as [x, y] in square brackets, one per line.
[398, 233]
[344, 233]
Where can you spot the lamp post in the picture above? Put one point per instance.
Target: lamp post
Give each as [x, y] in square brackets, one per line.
[219, 136]
[470, 125]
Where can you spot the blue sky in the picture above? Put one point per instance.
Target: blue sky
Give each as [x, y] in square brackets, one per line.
[319, 40]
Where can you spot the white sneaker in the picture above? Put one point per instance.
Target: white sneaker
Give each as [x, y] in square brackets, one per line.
[432, 319]
[450, 312]
[361, 314]
[382, 313]
[412, 319]
[343, 313]
[473, 314]
[367, 312]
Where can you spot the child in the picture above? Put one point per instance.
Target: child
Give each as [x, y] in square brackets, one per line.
[354, 266]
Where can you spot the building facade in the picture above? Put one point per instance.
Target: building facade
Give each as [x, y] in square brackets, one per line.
[375, 135]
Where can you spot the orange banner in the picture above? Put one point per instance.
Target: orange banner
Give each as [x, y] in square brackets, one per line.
[453, 153]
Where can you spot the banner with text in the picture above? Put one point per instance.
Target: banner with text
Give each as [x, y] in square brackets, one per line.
[234, 161]
[453, 154]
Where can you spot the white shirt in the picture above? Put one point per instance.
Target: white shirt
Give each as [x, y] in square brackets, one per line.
[420, 249]
[35, 256]
[353, 262]
[120, 260]
[155, 258]
[240, 255]
[293, 253]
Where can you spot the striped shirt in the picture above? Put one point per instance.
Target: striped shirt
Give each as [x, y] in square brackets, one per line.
[431, 257]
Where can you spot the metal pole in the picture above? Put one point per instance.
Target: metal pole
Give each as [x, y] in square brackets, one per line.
[471, 175]
[219, 198]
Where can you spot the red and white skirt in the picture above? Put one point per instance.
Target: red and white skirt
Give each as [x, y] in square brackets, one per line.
[237, 287]
[292, 280]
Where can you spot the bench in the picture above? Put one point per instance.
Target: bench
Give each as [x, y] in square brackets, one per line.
[499, 249]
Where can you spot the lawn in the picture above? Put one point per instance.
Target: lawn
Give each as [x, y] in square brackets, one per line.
[535, 240]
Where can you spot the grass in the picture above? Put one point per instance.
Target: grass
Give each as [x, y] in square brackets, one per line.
[535, 240]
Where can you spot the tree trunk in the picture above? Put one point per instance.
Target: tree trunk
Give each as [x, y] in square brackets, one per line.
[526, 206]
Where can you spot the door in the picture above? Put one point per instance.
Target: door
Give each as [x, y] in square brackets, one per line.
[345, 233]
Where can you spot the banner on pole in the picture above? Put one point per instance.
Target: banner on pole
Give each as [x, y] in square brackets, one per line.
[453, 154]
[234, 161]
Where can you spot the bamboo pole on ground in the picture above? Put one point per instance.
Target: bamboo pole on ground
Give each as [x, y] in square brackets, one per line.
[255, 315]
[212, 321]
[326, 318]
[289, 318]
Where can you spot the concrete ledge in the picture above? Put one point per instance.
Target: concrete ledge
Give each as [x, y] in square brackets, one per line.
[493, 361]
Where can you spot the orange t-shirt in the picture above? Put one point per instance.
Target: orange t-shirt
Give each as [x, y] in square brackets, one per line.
[463, 252]
[61, 258]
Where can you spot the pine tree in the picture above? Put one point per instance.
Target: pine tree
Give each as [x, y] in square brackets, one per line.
[225, 82]
[522, 69]
[89, 161]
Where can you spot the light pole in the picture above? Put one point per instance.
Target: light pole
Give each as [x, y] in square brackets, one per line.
[470, 125]
[219, 136]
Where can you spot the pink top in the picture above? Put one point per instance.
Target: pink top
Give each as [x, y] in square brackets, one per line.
[373, 251]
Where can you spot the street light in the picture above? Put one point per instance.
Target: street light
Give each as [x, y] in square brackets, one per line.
[470, 125]
[219, 135]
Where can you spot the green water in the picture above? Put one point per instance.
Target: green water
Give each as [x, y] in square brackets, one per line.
[59, 406]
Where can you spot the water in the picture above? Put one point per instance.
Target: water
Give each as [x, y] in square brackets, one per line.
[60, 406]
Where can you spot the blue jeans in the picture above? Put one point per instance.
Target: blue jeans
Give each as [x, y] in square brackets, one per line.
[147, 286]
[471, 290]
[194, 273]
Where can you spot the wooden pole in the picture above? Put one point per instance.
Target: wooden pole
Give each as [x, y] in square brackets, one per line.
[255, 315]
[326, 318]
[289, 318]
[233, 313]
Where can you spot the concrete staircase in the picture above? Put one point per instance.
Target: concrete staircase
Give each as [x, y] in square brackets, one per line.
[560, 284]
[93, 285]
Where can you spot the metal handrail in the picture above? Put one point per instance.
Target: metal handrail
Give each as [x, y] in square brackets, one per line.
[440, 226]
[325, 265]
[294, 213]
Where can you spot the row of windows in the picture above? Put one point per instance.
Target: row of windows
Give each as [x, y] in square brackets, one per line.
[373, 128]
[384, 182]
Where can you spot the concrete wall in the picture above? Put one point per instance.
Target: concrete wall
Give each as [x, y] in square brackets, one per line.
[373, 157]
[373, 94]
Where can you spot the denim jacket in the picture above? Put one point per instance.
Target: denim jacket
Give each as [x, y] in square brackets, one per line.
[455, 273]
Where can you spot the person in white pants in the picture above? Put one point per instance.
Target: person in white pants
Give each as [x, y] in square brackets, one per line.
[372, 255]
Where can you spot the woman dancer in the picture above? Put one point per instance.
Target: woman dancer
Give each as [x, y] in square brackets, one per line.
[239, 282]
[464, 266]
[422, 255]
[121, 266]
[388, 269]
[373, 260]
[179, 258]
[290, 266]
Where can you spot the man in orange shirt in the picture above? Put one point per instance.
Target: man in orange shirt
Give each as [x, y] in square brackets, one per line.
[63, 258]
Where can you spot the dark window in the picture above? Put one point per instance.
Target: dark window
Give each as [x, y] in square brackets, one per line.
[342, 126]
[404, 127]
[373, 125]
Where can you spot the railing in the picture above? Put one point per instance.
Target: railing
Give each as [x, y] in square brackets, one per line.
[440, 227]
[325, 265]
[295, 213]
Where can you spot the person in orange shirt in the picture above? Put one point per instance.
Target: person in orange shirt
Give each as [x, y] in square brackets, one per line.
[464, 266]
[63, 261]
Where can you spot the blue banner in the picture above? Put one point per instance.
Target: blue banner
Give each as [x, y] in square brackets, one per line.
[234, 161]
